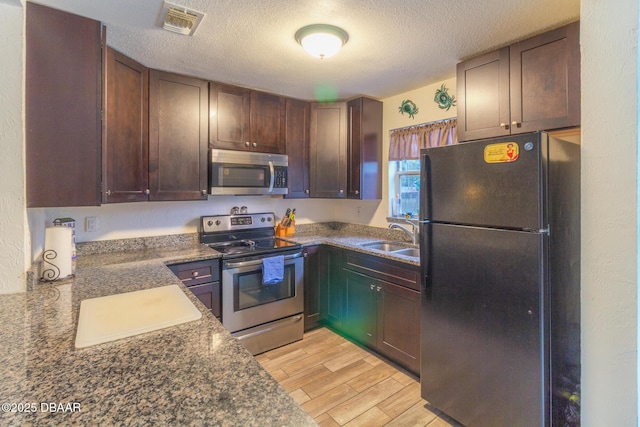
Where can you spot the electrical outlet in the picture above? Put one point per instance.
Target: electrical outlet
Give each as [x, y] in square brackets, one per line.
[90, 224]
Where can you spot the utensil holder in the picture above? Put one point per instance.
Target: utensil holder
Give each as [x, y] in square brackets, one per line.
[291, 229]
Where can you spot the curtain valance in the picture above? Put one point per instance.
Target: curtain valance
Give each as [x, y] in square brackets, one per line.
[405, 143]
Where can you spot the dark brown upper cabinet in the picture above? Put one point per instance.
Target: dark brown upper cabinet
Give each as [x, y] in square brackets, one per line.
[125, 147]
[267, 122]
[229, 109]
[178, 125]
[328, 150]
[247, 120]
[63, 103]
[297, 147]
[531, 85]
[346, 149]
[364, 149]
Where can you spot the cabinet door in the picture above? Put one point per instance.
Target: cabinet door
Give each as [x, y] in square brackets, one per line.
[311, 287]
[545, 81]
[328, 154]
[177, 137]
[63, 101]
[267, 123]
[399, 324]
[125, 142]
[229, 117]
[361, 313]
[364, 152]
[332, 287]
[483, 95]
[354, 149]
[297, 147]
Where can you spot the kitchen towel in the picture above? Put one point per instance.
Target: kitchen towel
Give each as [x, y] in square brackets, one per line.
[272, 270]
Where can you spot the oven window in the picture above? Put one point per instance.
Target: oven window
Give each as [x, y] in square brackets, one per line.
[240, 176]
[250, 292]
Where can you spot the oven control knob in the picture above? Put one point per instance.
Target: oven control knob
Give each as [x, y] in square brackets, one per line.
[209, 223]
[262, 219]
[269, 218]
[218, 222]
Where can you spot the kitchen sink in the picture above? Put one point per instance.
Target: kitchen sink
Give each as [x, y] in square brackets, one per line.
[394, 248]
[385, 246]
[414, 252]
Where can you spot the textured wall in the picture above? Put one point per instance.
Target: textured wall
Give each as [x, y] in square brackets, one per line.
[14, 245]
[609, 40]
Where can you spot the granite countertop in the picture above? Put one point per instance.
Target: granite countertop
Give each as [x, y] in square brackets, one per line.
[191, 374]
[355, 238]
[194, 373]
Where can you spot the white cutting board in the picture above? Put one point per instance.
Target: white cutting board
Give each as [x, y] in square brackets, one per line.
[119, 316]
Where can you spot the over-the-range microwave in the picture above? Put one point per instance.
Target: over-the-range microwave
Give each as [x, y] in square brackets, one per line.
[244, 172]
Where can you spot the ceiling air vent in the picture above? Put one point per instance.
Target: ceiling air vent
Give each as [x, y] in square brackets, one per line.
[180, 19]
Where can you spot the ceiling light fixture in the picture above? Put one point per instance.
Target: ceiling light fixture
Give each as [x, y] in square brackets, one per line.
[321, 40]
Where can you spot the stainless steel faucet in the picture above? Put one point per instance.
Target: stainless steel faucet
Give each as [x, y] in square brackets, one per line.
[413, 233]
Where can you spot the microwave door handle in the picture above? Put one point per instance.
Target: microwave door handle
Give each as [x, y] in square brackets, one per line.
[273, 177]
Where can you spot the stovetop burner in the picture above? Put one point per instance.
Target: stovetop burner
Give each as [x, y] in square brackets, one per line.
[243, 235]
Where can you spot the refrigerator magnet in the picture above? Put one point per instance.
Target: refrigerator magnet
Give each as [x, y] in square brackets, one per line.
[504, 152]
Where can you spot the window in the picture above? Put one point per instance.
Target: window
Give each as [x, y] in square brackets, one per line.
[404, 162]
[406, 192]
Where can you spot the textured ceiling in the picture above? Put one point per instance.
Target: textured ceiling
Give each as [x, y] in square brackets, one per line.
[394, 46]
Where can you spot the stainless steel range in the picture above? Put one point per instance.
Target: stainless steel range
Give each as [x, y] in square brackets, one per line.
[262, 316]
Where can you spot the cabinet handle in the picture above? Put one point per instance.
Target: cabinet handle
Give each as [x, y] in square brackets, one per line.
[247, 144]
[378, 288]
[204, 192]
[306, 191]
[504, 125]
[108, 192]
[147, 191]
[357, 192]
[516, 124]
[372, 287]
[255, 144]
[194, 274]
[341, 191]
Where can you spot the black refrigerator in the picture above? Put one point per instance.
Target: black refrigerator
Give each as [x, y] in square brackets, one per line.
[500, 259]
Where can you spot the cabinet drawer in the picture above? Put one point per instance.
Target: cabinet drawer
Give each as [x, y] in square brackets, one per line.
[196, 273]
[393, 271]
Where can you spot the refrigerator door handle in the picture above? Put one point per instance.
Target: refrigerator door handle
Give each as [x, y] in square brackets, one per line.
[425, 187]
[425, 262]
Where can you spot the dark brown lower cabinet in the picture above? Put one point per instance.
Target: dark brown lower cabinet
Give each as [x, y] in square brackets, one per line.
[399, 325]
[372, 300]
[332, 290]
[202, 278]
[385, 317]
[311, 287]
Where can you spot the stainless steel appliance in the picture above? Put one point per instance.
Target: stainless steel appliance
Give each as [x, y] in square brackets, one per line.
[244, 172]
[500, 254]
[261, 316]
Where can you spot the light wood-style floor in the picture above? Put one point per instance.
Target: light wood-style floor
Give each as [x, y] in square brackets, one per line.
[341, 384]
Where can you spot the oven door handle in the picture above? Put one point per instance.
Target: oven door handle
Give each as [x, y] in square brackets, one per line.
[273, 176]
[240, 264]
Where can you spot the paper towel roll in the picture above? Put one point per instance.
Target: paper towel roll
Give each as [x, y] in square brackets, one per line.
[57, 253]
